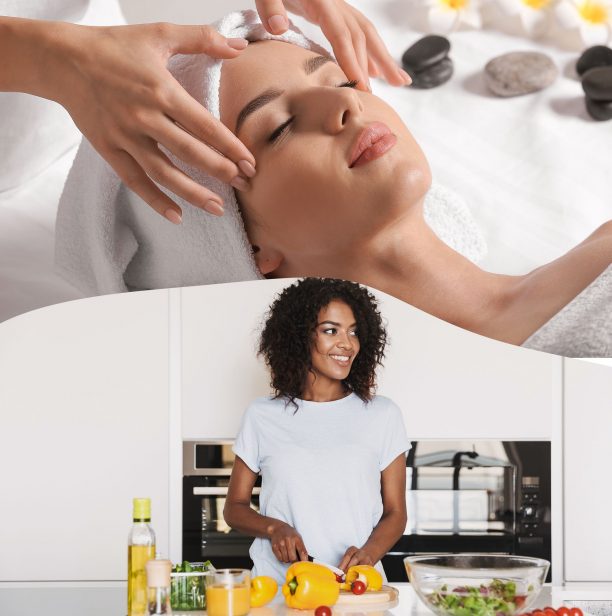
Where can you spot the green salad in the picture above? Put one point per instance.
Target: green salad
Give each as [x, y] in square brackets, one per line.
[499, 598]
[189, 592]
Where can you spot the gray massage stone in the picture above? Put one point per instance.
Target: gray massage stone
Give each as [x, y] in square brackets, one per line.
[597, 83]
[433, 76]
[520, 72]
[599, 110]
[598, 55]
[426, 52]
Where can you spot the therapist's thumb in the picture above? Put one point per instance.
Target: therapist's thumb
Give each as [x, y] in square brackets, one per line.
[204, 39]
[273, 15]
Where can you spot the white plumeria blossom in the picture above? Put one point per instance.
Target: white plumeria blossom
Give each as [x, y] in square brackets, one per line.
[591, 18]
[446, 16]
[533, 14]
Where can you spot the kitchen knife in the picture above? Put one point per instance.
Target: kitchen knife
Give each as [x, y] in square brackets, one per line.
[337, 571]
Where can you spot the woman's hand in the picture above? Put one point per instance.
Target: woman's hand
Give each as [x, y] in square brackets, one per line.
[287, 543]
[125, 101]
[356, 43]
[355, 556]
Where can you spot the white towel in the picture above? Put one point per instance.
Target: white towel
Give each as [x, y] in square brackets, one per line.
[109, 241]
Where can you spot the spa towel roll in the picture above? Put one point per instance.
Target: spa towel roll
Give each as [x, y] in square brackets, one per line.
[582, 328]
[108, 240]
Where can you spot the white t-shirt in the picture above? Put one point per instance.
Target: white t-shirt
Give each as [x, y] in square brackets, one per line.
[321, 469]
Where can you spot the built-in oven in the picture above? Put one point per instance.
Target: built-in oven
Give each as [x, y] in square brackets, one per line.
[481, 496]
[207, 466]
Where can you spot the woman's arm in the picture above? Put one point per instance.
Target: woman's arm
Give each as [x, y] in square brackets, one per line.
[287, 543]
[392, 523]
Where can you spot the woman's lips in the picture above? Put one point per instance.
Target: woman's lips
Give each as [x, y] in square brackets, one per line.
[343, 360]
[372, 142]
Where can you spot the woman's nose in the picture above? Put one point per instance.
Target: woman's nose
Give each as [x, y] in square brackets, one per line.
[345, 342]
[335, 107]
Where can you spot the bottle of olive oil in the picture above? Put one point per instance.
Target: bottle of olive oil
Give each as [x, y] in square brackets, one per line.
[141, 548]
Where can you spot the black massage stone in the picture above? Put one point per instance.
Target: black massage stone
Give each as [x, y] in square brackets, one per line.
[599, 55]
[426, 52]
[599, 110]
[434, 76]
[597, 83]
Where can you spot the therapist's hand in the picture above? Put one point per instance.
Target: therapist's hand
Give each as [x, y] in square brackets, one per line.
[355, 556]
[287, 543]
[357, 45]
[115, 84]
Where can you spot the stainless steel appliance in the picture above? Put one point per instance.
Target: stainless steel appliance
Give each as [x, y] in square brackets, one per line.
[480, 496]
[207, 466]
[461, 496]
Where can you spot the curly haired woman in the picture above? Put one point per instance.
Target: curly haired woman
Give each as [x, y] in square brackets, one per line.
[331, 453]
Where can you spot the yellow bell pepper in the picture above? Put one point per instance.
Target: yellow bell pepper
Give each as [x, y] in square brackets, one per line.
[309, 585]
[263, 590]
[367, 574]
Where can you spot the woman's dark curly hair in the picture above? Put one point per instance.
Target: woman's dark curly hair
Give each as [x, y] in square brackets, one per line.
[286, 339]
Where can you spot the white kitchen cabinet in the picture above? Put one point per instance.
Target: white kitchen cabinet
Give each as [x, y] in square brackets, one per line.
[84, 424]
[587, 469]
[450, 383]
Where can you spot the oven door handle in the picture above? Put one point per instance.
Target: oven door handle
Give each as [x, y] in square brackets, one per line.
[217, 491]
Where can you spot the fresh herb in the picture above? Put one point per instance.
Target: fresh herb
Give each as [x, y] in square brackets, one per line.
[188, 592]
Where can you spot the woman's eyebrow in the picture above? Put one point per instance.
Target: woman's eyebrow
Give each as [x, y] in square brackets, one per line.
[309, 66]
[334, 323]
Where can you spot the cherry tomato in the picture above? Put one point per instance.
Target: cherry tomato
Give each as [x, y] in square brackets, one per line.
[575, 611]
[339, 578]
[538, 613]
[358, 587]
[323, 610]
[563, 611]
[550, 611]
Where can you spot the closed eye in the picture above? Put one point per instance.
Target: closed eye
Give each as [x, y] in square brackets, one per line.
[281, 129]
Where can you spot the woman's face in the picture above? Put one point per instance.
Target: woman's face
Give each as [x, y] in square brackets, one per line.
[307, 201]
[335, 342]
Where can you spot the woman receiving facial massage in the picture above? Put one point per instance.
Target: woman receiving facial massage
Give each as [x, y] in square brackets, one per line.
[341, 191]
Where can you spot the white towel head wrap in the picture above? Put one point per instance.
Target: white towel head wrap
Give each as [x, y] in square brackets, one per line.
[108, 240]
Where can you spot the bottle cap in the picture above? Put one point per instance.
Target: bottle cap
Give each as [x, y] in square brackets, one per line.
[158, 573]
[142, 509]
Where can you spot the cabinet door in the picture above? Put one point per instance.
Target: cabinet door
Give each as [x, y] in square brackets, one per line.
[588, 471]
[84, 424]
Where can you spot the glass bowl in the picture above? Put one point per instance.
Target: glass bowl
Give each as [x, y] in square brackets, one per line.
[476, 584]
[188, 588]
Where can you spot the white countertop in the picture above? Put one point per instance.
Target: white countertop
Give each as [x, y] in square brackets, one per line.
[82, 600]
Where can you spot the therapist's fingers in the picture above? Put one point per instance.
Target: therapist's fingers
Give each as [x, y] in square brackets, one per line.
[198, 39]
[134, 177]
[273, 15]
[379, 53]
[339, 35]
[360, 46]
[186, 111]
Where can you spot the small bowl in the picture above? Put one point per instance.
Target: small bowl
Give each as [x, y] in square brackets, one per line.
[477, 584]
[188, 591]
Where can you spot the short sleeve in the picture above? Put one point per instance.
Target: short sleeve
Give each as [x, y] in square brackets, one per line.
[395, 440]
[246, 445]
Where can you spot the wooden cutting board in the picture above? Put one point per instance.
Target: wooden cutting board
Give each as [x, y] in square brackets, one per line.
[384, 598]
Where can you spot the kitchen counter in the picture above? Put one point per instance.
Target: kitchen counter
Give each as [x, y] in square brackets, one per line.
[98, 600]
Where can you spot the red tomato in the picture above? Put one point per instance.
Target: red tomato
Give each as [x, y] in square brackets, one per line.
[575, 611]
[358, 587]
[538, 613]
[550, 611]
[323, 610]
[563, 611]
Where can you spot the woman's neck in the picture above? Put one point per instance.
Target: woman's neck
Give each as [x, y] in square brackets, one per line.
[407, 260]
[323, 390]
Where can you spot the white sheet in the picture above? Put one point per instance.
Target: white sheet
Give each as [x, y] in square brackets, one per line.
[536, 170]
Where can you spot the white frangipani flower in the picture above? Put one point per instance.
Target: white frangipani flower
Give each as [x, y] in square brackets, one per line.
[591, 18]
[446, 16]
[534, 15]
